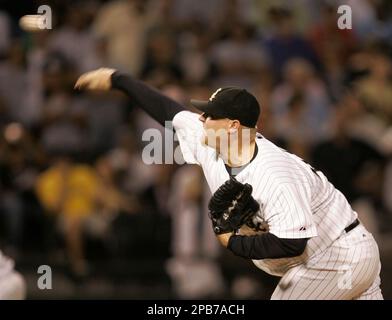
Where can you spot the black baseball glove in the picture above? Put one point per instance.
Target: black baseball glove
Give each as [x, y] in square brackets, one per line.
[232, 206]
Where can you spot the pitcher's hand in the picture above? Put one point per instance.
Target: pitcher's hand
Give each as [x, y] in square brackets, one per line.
[99, 79]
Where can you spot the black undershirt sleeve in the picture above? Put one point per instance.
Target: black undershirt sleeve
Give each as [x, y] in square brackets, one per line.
[266, 246]
[158, 106]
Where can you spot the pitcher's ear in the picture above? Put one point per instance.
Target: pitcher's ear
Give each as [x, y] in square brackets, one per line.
[234, 125]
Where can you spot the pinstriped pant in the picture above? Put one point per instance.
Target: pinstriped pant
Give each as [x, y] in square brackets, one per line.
[348, 270]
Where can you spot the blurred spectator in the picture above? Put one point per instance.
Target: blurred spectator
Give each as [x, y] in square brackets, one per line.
[192, 233]
[358, 65]
[13, 81]
[364, 17]
[133, 174]
[238, 12]
[161, 61]
[5, 33]
[124, 24]
[384, 32]
[103, 116]
[333, 47]
[64, 116]
[110, 201]
[284, 42]
[68, 191]
[355, 167]
[388, 187]
[375, 90]
[37, 56]
[212, 13]
[311, 111]
[327, 39]
[20, 160]
[372, 87]
[193, 270]
[305, 13]
[75, 40]
[238, 58]
[195, 61]
[263, 89]
[291, 132]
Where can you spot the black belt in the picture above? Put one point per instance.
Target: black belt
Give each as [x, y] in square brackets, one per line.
[352, 226]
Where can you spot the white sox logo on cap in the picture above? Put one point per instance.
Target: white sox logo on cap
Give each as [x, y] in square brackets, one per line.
[214, 94]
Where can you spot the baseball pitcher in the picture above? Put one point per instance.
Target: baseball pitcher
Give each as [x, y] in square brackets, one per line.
[267, 205]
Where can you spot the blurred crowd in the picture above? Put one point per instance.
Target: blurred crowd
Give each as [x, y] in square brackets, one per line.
[71, 172]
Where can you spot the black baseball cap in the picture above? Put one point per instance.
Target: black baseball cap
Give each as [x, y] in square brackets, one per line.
[233, 103]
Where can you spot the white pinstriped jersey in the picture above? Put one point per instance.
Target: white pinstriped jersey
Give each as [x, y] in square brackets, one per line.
[295, 201]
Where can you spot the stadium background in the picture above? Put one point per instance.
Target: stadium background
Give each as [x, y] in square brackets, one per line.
[74, 191]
